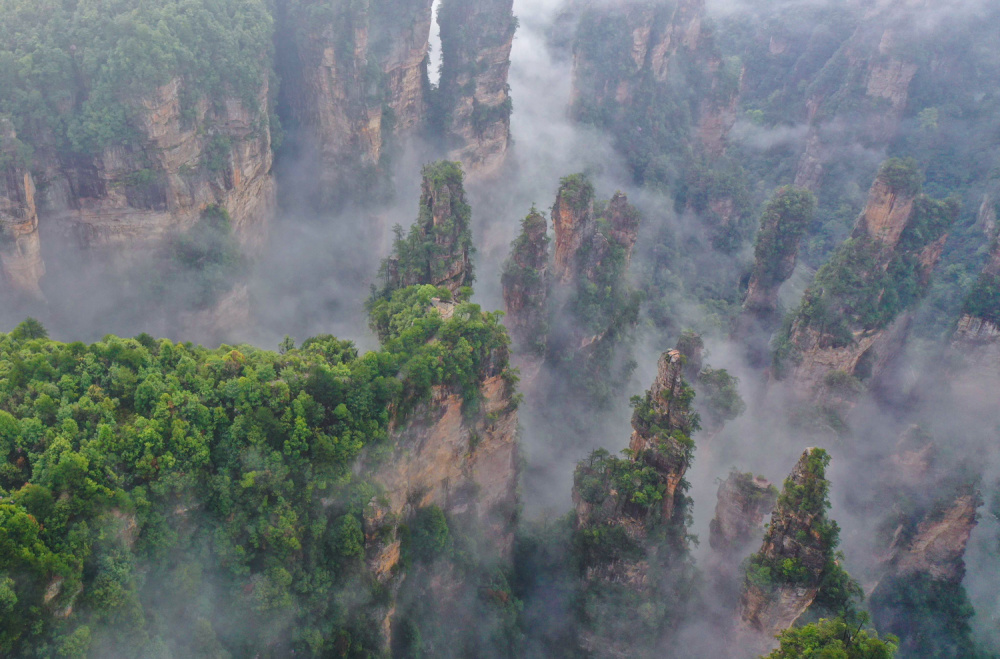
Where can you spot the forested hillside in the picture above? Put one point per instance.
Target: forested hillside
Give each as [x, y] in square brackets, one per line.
[499, 328]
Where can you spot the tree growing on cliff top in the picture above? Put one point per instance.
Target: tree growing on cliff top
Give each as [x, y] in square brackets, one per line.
[833, 639]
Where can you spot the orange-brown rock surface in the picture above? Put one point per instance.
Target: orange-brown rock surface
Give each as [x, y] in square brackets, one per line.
[21, 266]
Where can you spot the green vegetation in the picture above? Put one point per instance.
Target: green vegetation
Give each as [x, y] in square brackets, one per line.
[800, 517]
[866, 285]
[71, 73]
[459, 352]
[931, 617]
[784, 221]
[438, 248]
[902, 175]
[833, 639]
[722, 397]
[984, 299]
[145, 481]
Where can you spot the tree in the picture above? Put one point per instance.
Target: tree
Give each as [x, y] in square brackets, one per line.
[833, 639]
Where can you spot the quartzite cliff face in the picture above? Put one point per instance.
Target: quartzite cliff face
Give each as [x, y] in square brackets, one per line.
[135, 194]
[355, 79]
[21, 266]
[356, 85]
[855, 315]
[476, 39]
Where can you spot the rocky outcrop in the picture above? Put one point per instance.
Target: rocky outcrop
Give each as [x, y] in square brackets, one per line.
[784, 577]
[855, 316]
[476, 40]
[782, 225]
[784, 221]
[631, 519]
[938, 546]
[183, 161]
[582, 247]
[661, 426]
[438, 249]
[21, 266]
[526, 286]
[743, 502]
[655, 36]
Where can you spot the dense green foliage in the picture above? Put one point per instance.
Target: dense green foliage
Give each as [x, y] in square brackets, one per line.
[440, 241]
[720, 390]
[984, 299]
[137, 472]
[147, 484]
[867, 284]
[931, 617]
[458, 352]
[832, 639]
[72, 72]
[801, 508]
[784, 220]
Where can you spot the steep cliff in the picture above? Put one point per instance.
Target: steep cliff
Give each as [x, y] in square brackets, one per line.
[631, 520]
[525, 283]
[438, 249]
[21, 263]
[743, 502]
[354, 81]
[181, 161]
[575, 309]
[854, 316]
[593, 248]
[476, 39]
[798, 555]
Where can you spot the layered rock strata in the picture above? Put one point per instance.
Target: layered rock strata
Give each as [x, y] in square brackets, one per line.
[133, 195]
[21, 266]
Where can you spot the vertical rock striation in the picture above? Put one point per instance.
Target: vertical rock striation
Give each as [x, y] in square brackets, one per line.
[525, 283]
[854, 316]
[354, 82]
[476, 39]
[182, 161]
[438, 249]
[21, 266]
